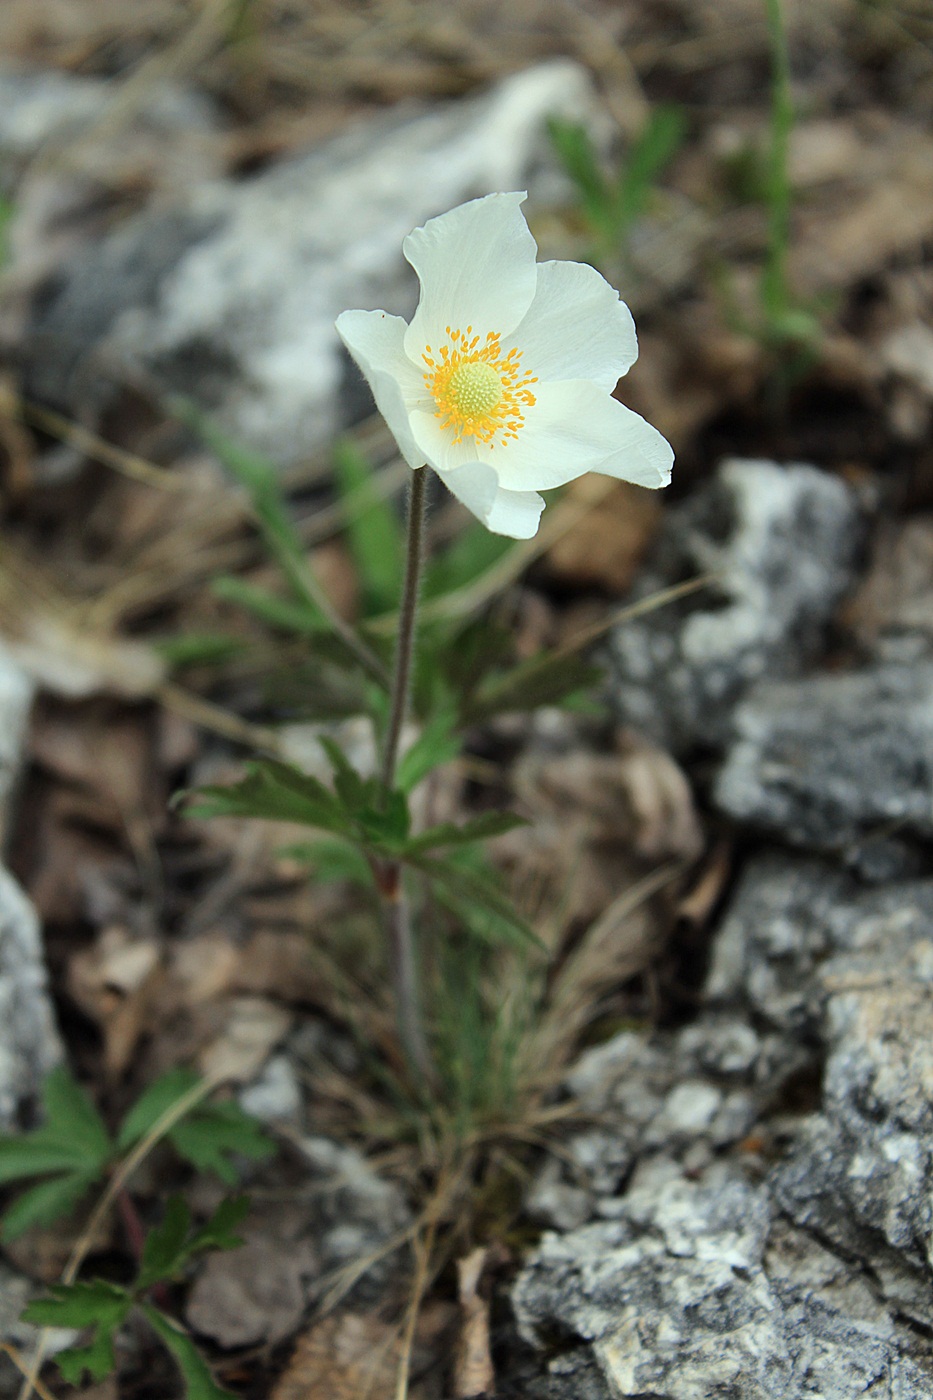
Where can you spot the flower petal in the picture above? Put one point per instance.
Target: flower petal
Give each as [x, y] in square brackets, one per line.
[375, 340]
[476, 266]
[512, 513]
[576, 427]
[577, 327]
[437, 444]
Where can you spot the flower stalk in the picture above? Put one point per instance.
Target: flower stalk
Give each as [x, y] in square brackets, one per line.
[402, 961]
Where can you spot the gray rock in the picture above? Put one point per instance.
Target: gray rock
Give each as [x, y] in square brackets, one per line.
[29, 1043]
[231, 296]
[695, 1292]
[783, 543]
[38, 107]
[353, 1214]
[861, 1171]
[838, 763]
[16, 694]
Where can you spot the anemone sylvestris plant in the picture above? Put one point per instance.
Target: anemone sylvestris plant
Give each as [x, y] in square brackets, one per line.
[502, 383]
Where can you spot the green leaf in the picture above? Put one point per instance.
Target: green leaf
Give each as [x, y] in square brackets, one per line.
[574, 148]
[354, 791]
[198, 649]
[277, 792]
[215, 1133]
[333, 860]
[153, 1103]
[261, 479]
[373, 532]
[543, 680]
[164, 1251]
[471, 893]
[199, 1383]
[80, 1305]
[218, 1232]
[436, 744]
[97, 1358]
[170, 1246]
[659, 141]
[286, 614]
[474, 550]
[73, 1115]
[478, 829]
[73, 1138]
[46, 1203]
[97, 1304]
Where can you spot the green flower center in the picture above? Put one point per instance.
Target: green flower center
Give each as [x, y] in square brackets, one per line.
[474, 389]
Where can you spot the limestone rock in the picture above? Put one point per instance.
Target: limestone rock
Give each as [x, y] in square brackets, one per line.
[696, 1291]
[840, 763]
[783, 544]
[29, 1044]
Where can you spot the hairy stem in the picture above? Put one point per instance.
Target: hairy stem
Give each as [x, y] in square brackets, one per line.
[402, 961]
[405, 646]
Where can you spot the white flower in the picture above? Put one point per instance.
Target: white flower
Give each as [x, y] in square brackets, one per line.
[503, 380]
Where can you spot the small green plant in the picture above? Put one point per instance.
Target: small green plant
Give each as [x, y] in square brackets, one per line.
[104, 1307]
[611, 204]
[787, 329]
[73, 1151]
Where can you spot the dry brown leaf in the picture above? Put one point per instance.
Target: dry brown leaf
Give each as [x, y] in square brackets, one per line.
[117, 983]
[252, 1028]
[345, 1356]
[474, 1374]
[252, 1294]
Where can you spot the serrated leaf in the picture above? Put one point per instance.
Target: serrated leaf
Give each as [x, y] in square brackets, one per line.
[96, 1358]
[544, 680]
[218, 1232]
[199, 1383]
[436, 744]
[387, 826]
[170, 1246]
[73, 1139]
[464, 890]
[478, 829]
[70, 1110]
[97, 1304]
[276, 792]
[211, 1136]
[333, 860]
[80, 1305]
[164, 1250]
[37, 1154]
[354, 791]
[46, 1203]
[372, 530]
[153, 1103]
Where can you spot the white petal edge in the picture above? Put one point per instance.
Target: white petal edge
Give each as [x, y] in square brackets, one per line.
[512, 513]
[577, 327]
[476, 265]
[575, 427]
[376, 342]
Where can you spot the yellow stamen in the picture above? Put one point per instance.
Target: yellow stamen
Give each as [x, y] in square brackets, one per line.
[478, 390]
